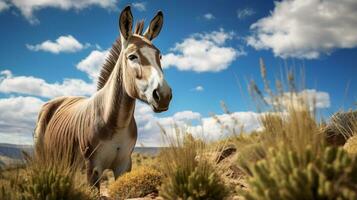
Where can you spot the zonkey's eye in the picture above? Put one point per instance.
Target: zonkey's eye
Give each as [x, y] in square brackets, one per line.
[132, 57]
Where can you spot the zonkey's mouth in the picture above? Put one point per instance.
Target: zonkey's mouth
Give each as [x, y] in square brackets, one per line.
[158, 109]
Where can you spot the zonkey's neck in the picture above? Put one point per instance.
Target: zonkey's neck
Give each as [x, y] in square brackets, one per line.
[118, 106]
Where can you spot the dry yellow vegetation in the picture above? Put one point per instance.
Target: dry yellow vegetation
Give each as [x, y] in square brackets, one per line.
[140, 182]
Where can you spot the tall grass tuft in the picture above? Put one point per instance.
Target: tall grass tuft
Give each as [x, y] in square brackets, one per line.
[45, 178]
[188, 173]
[288, 122]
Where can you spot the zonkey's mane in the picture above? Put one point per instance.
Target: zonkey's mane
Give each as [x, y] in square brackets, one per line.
[113, 56]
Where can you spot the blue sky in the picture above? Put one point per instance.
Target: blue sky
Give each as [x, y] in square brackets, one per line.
[318, 37]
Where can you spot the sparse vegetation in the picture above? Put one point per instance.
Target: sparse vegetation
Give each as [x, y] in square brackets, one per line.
[293, 156]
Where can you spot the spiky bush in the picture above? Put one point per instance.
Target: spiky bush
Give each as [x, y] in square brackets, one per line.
[137, 183]
[290, 175]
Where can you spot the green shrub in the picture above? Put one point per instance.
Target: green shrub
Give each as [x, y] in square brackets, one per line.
[137, 183]
[290, 175]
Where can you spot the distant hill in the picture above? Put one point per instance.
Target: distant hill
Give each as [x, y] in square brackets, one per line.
[153, 151]
[14, 151]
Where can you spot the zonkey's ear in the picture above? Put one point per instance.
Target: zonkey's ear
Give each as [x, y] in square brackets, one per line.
[155, 26]
[126, 23]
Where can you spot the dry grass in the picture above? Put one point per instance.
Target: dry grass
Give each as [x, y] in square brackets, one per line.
[189, 173]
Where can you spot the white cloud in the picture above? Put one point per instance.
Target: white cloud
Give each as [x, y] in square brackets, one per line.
[210, 129]
[140, 6]
[206, 128]
[30, 85]
[203, 53]
[306, 28]
[198, 88]
[3, 5]
[93, 63]
[67, 44]
[308, 97]
[18, 114]
[244, 13]
[17, 119]
[149, 132]
[28, 7]
[209, 16]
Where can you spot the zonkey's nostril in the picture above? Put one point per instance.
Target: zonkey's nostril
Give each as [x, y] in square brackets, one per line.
[156, 95]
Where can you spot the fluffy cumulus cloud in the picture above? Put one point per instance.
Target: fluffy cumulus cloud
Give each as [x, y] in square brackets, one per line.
[220, 126]
[17, 119]
[311, 98]
[18, 114]
[244, 13]
[92, 63]
[140, 6]
[28, 7]
[203, 52]
[67, 44]
[306, 28]
[38, 87]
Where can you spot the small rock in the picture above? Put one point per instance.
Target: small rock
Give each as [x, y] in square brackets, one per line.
[226, 152]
